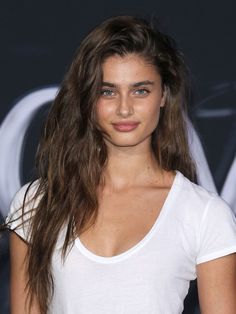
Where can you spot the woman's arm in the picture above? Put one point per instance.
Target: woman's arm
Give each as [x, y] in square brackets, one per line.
[217, 285]
[18, 279]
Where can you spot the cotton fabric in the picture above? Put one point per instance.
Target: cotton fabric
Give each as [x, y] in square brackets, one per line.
[194, 226]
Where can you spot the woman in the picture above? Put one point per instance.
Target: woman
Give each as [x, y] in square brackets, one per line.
[114, 224]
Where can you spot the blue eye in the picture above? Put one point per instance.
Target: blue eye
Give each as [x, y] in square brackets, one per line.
[142, 91]
[107, 92]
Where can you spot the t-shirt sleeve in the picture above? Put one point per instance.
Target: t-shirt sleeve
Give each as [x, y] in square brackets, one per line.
[15, 220]
[217, 234]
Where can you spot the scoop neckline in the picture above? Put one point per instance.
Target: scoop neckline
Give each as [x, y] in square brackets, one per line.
[119, 257]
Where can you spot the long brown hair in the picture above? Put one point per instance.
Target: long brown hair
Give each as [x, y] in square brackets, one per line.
[72, 154]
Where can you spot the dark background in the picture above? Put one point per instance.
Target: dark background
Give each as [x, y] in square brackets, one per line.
[39, 38]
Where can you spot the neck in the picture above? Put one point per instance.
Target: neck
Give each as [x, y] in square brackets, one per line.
[130, 166]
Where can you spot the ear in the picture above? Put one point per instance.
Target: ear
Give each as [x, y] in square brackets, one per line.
[163, 99]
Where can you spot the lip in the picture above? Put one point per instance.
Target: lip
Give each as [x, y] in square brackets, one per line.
[126, 126]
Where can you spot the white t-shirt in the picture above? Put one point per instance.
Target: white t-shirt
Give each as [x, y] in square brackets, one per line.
[152, 277]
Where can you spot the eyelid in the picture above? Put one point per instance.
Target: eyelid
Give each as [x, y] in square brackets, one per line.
[109, 90]
[147, 91]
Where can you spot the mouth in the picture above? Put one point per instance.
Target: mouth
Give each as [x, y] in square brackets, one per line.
[125, 126]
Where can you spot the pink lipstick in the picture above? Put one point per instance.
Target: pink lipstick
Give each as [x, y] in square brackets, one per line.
[125, 126]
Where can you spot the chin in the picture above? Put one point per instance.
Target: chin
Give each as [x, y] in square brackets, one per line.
[125, 145]
[126, 142]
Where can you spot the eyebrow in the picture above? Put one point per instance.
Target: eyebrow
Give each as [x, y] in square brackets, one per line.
[137, 84]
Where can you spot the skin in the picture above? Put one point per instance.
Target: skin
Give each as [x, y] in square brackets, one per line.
[132, 91]
[130, 100]
[135, 188]
[217, 285]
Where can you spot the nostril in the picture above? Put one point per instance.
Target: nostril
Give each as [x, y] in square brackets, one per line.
[125, 107]
[124, 110]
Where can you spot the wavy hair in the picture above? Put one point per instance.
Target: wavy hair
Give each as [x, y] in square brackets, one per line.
[72, 154]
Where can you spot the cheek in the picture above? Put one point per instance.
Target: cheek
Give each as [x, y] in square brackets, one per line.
[154, 119]
[153, 113]
[103, 112]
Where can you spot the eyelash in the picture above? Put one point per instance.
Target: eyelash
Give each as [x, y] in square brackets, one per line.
[110, 93]
[105, 91]
[145, 90]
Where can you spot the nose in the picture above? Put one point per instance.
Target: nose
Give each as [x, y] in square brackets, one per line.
[124, 106]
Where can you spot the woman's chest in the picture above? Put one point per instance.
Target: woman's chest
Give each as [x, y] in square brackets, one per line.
[123, 221]
[153, 274]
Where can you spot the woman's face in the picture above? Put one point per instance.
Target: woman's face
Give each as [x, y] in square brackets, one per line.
[130, 99]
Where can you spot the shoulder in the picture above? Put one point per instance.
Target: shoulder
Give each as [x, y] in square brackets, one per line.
[22, 208]
[195, 197]
[206, 221]
[196, 206]
[25, 194]
[194, 190]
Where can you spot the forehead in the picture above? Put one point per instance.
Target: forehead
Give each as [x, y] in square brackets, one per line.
[128, 67]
